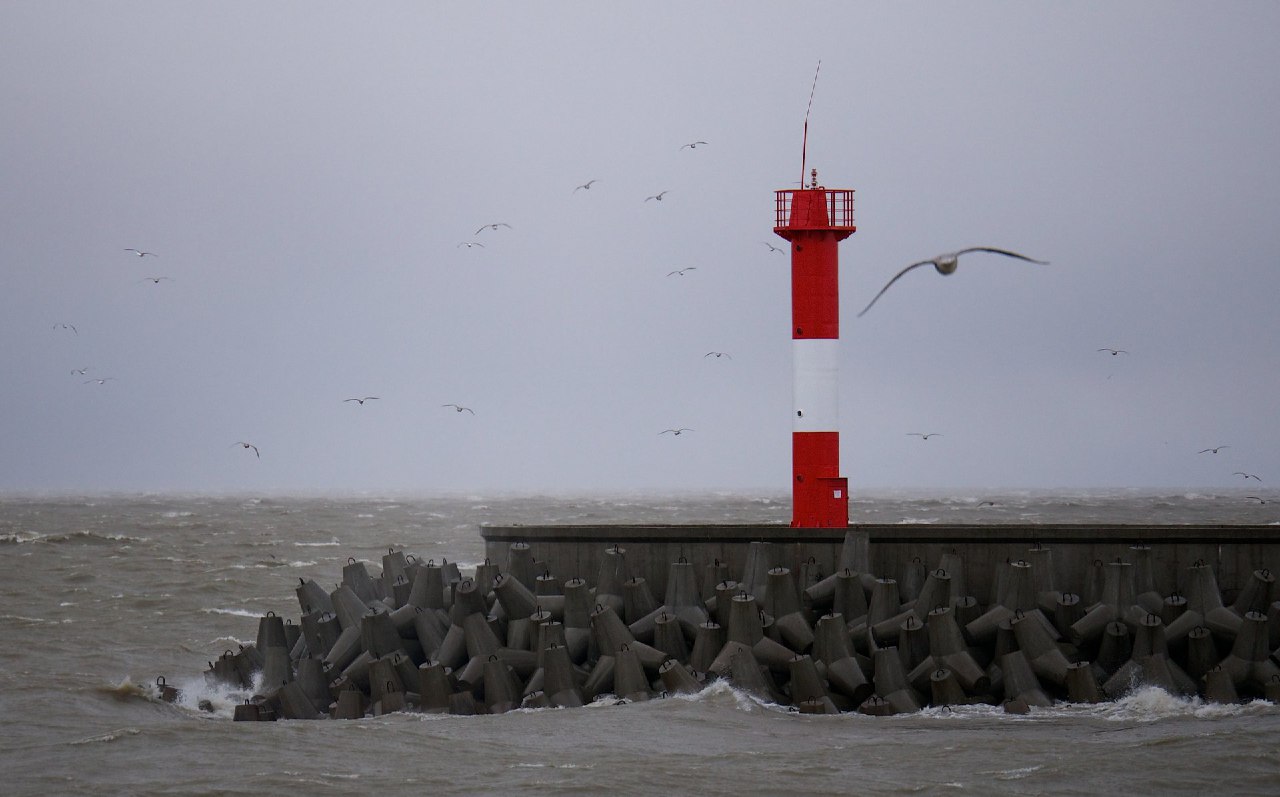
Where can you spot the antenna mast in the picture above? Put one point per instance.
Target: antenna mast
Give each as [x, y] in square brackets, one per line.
[804, 144]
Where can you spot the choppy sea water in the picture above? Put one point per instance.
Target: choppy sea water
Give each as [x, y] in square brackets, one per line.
[101, 595]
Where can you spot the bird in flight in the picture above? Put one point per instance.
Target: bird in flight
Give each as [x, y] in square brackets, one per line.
[718, 354]
[693, 145]
[924, 435]
[1247, 476]
[946, 264]
[773, 248]
[243, 444]
[493, 226]
[675, 432]
[361, 401]
[586, 185]
[681, 271]
[459, 408]
[141, 253]
[1255, 498]
[1211, 450]
[1114, 352]
[155, 280]
[470, 244]
[101, 381]
[79, 371]
[71, 327]
[657, 196]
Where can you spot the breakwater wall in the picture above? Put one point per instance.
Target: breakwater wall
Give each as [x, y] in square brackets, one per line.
[1077, 552]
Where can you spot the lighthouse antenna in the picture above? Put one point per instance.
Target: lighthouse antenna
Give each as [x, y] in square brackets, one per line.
[804, 142]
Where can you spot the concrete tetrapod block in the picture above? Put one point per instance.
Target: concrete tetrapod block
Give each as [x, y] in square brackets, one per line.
[1249, 664]
[428, 587]
[271, 632]
[945, 690]
[745, 621]
[350, 705]
[1257, 594]
[559, 681]
[277, 670]
[468, 598]
[1017, 594]
[712, 574]
[517, 600]
[1045, 657]
[502, 692]
[913, 642]
[806, 684]
[610, 634]
[314, 684]
[637, 600]
[357, 578]
[1067, 611]
[629, 681]
[669, 637]
[378, 633]
[348, 606]
[312, 597]
[1144, 589]
[520, 564]
[1172, 608]
[434, 688]
[395, 567]
[678, 678]
[600, 680]
[1273, 628]
[1020, 682]
[718, 606]
[612, 575]
[321, 630]
[344, 650]
[547, 584]
[891, 682]
[1218, 687]
[911, 579]
[1082, 686]
[761, 558]
[707, 645]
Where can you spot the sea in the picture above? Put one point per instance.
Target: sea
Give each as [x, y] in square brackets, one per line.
[102, 596]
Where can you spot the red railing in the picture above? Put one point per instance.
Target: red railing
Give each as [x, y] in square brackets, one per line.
[837, 204]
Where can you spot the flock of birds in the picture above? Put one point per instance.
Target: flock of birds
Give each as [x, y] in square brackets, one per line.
[945, 264]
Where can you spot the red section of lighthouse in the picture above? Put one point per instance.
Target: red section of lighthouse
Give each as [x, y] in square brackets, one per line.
[815, 220]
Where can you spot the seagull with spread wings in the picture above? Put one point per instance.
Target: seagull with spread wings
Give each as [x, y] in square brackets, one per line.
[361, 401]
[946, 264]
[657, 196]
[493, 226]
[141, 253]
[676, 432]
[924, 435]
[243, 444]
[459, 408]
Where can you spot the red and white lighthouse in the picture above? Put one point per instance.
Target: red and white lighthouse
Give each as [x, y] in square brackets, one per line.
[814, 220]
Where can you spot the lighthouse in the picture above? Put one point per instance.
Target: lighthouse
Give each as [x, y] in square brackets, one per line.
[814, 220]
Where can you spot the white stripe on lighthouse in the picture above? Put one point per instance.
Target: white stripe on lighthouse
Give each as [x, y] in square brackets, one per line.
[815, 385]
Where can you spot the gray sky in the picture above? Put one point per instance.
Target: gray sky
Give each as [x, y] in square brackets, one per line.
[305, 173]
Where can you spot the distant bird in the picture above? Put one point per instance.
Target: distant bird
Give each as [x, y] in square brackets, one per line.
[459, 408]
[987, 503]
[946, 264]
[494, 226]
[1114, 352]
[1211, 450]
[361, 401]
[79, 371]
[657, 196]
[675, 432]
[243, 444]
[470, 244]
[718, 354]
[586, 185]
[693, 145]
[773, 248]
[1247, 476]
[924, 435]
[71, 327]
[1255, 498]
[680, 272]
[141, 253]
[101, 381]
[155, 280]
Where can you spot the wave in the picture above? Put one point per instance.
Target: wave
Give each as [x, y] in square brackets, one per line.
[331, 543]
[109, 736]
[21, 537]
[235, 612]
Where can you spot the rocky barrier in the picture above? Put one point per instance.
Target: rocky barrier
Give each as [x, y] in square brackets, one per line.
[422, 636]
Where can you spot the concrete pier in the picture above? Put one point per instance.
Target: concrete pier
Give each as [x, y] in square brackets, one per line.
[1079, 551]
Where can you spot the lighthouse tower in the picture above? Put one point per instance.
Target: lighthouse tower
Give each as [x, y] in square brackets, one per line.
[814, 220]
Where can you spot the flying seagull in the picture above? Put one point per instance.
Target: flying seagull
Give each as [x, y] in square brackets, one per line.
[1211, 450]
[459, 408]
[494, 226]
[946, 264]
[675, 431]
[773, 248]
[924, 435]
[681, 271]
[1114, 352]
[79, 371]
[657, 196]
[586, 185]
[718, 354]
[71, 327]
[155, 280]
[243, 444]
[470, 244]
[361, 401]
[141, 253]
[693, 145]
[1255, 498]
[1247, 476]
[101, 381]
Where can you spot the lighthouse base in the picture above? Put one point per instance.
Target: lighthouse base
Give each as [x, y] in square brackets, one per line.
[821, 503]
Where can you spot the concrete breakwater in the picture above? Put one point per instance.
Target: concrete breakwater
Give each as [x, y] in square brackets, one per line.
[823, 635]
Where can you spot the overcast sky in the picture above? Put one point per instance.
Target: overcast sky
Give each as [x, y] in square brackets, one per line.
[305, 173]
